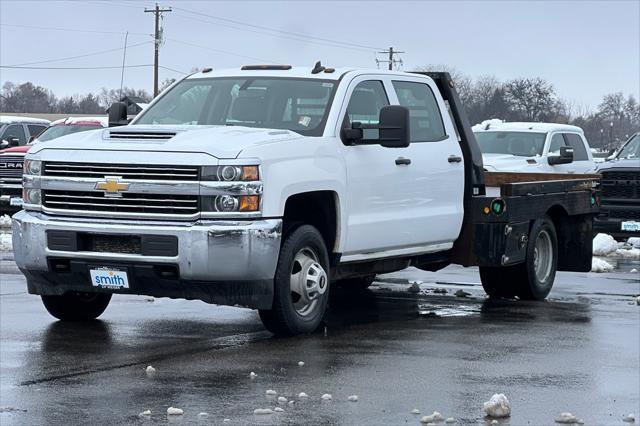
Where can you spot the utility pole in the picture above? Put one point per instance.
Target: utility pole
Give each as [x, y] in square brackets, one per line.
[391, 61]
[157, 39]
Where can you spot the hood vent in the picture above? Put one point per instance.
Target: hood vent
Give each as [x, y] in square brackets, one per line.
[150, 136]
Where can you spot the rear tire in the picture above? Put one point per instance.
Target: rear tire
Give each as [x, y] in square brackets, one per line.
[533, 279]
[301, 284]
[77, 306]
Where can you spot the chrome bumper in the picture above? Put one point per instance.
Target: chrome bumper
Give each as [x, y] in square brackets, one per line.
[220, 250]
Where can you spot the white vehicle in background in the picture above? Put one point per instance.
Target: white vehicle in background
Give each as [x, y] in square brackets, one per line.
[534, 148]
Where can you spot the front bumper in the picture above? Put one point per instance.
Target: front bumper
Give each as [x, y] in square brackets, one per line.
[217, 261]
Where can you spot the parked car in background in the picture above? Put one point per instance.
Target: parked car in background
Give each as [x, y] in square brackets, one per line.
[620, 192]
[16, 130]
[11, 159]
[534, 147]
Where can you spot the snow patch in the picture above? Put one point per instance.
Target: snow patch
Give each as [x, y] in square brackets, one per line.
[566, 418]
[282, 400]
[632, 253]
[271, 392]
[415, 411]
[450, 420]
[483, 125]
[278, 410]
[604, 244]
[203, 414]
[600, 265]
[5, 221]
[634, 271]
[303, 395]
[300, 363]
[226, 420]
[634, 242]
[145, 413]
[253, 375]
[5, 242]
[498, 406]
[263, 411]
[433, 418]
[172, 411]
[326, 396]
[629, 418]
[353, 398]
[150, 371]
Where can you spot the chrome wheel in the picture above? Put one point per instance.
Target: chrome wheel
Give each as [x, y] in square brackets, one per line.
[308, 281]
[543, 256]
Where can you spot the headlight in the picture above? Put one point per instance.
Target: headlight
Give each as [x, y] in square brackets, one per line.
[31, 196]
[33, 167]
[230, 173]
[231, 203]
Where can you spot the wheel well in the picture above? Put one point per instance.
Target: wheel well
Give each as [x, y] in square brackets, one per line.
[317, 208]
[574, 239]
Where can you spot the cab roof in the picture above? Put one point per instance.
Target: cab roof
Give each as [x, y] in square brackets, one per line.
[528, 126]
[293, 72]
[10, 119]
[82, 121]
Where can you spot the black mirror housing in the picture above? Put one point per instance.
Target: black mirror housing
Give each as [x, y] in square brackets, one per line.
[394, 126]
[565, 157]
[393, 129]
[14, 141]
[118, 114]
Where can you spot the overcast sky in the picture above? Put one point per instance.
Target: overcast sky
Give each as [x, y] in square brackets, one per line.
[585, 48]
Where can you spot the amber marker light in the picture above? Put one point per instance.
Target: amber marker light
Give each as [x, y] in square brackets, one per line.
[249, 173]
[486, 210]
[249, 203]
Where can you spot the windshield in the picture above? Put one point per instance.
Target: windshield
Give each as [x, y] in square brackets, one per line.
[631, 149]
[57, 131]
[300, 105]
[522, 144]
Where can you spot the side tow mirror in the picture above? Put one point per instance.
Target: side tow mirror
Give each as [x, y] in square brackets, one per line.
[118, 114]
[4, 144]
[14, 141]
[565, 157]
[393, 127]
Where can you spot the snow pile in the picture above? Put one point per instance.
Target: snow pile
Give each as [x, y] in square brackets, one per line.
[150, 371]
[415, 411]
[172, 411]
[604, 244]
[634, 271]
[600, 265]
[353, 398]
[271, 392]
[433, 418]
[303, 395]
[498, 406]
[145, 413]
[450, 420]
[629, 418]
[203, 414]
[632, 253]
[300, 363]
[253, 375]
[634, 242]
[5, 221]
[278, 410]
[483, 125]
[568, 418]
[282, 400]
[5, 242]
[263, 411]
[326, 396]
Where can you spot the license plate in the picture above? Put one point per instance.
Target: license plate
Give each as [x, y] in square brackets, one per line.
[109, 278]
[15, 201]
[632, 226]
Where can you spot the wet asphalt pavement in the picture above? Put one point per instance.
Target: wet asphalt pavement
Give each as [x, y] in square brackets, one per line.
[579, 352]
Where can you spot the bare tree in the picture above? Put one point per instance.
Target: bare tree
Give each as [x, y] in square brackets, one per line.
[531, 99]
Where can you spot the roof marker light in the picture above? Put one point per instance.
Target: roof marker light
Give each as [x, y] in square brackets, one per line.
[206, 70]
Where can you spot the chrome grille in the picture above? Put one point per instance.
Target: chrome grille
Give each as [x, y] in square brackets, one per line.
[125, 171]
[11, 166]
[159, 204]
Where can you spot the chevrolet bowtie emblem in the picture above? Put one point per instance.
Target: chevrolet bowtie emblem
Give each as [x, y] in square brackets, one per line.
[112, 186]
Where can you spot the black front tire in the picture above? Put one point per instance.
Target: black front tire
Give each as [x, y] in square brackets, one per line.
[77, 306]
[283, 319]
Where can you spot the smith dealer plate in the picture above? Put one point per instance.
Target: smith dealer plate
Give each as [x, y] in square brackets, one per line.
[109, 278]
[632, 226]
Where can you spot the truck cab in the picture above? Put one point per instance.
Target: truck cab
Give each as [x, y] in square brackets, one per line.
[265, 186]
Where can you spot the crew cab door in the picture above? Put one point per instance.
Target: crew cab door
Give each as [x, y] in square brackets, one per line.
[401, 200]
[582, 157]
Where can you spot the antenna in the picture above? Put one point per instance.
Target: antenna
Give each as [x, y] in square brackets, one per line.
[124, 57]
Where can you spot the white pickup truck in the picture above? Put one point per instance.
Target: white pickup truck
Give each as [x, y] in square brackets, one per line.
[265, 186]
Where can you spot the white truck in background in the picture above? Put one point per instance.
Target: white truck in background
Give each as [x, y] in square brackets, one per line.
[267, 185]
[534, 147]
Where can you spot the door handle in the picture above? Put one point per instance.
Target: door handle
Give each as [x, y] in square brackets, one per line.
[454, 159]
[401, 161]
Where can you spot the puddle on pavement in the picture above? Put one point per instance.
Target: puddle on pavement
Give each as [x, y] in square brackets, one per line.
[427, 310]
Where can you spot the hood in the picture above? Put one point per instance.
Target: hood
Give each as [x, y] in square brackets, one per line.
[217, 141]
[510, 163]
[623, 163]
[22, 149]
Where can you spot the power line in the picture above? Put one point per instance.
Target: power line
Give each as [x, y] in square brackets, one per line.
[157, 11]
[74, 30]
[218, 50]
[75, 68]
[80, 56]
[391, 61]
[174, 70]
[274, 32]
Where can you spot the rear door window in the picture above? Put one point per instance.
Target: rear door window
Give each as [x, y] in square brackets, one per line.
[424, 114]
